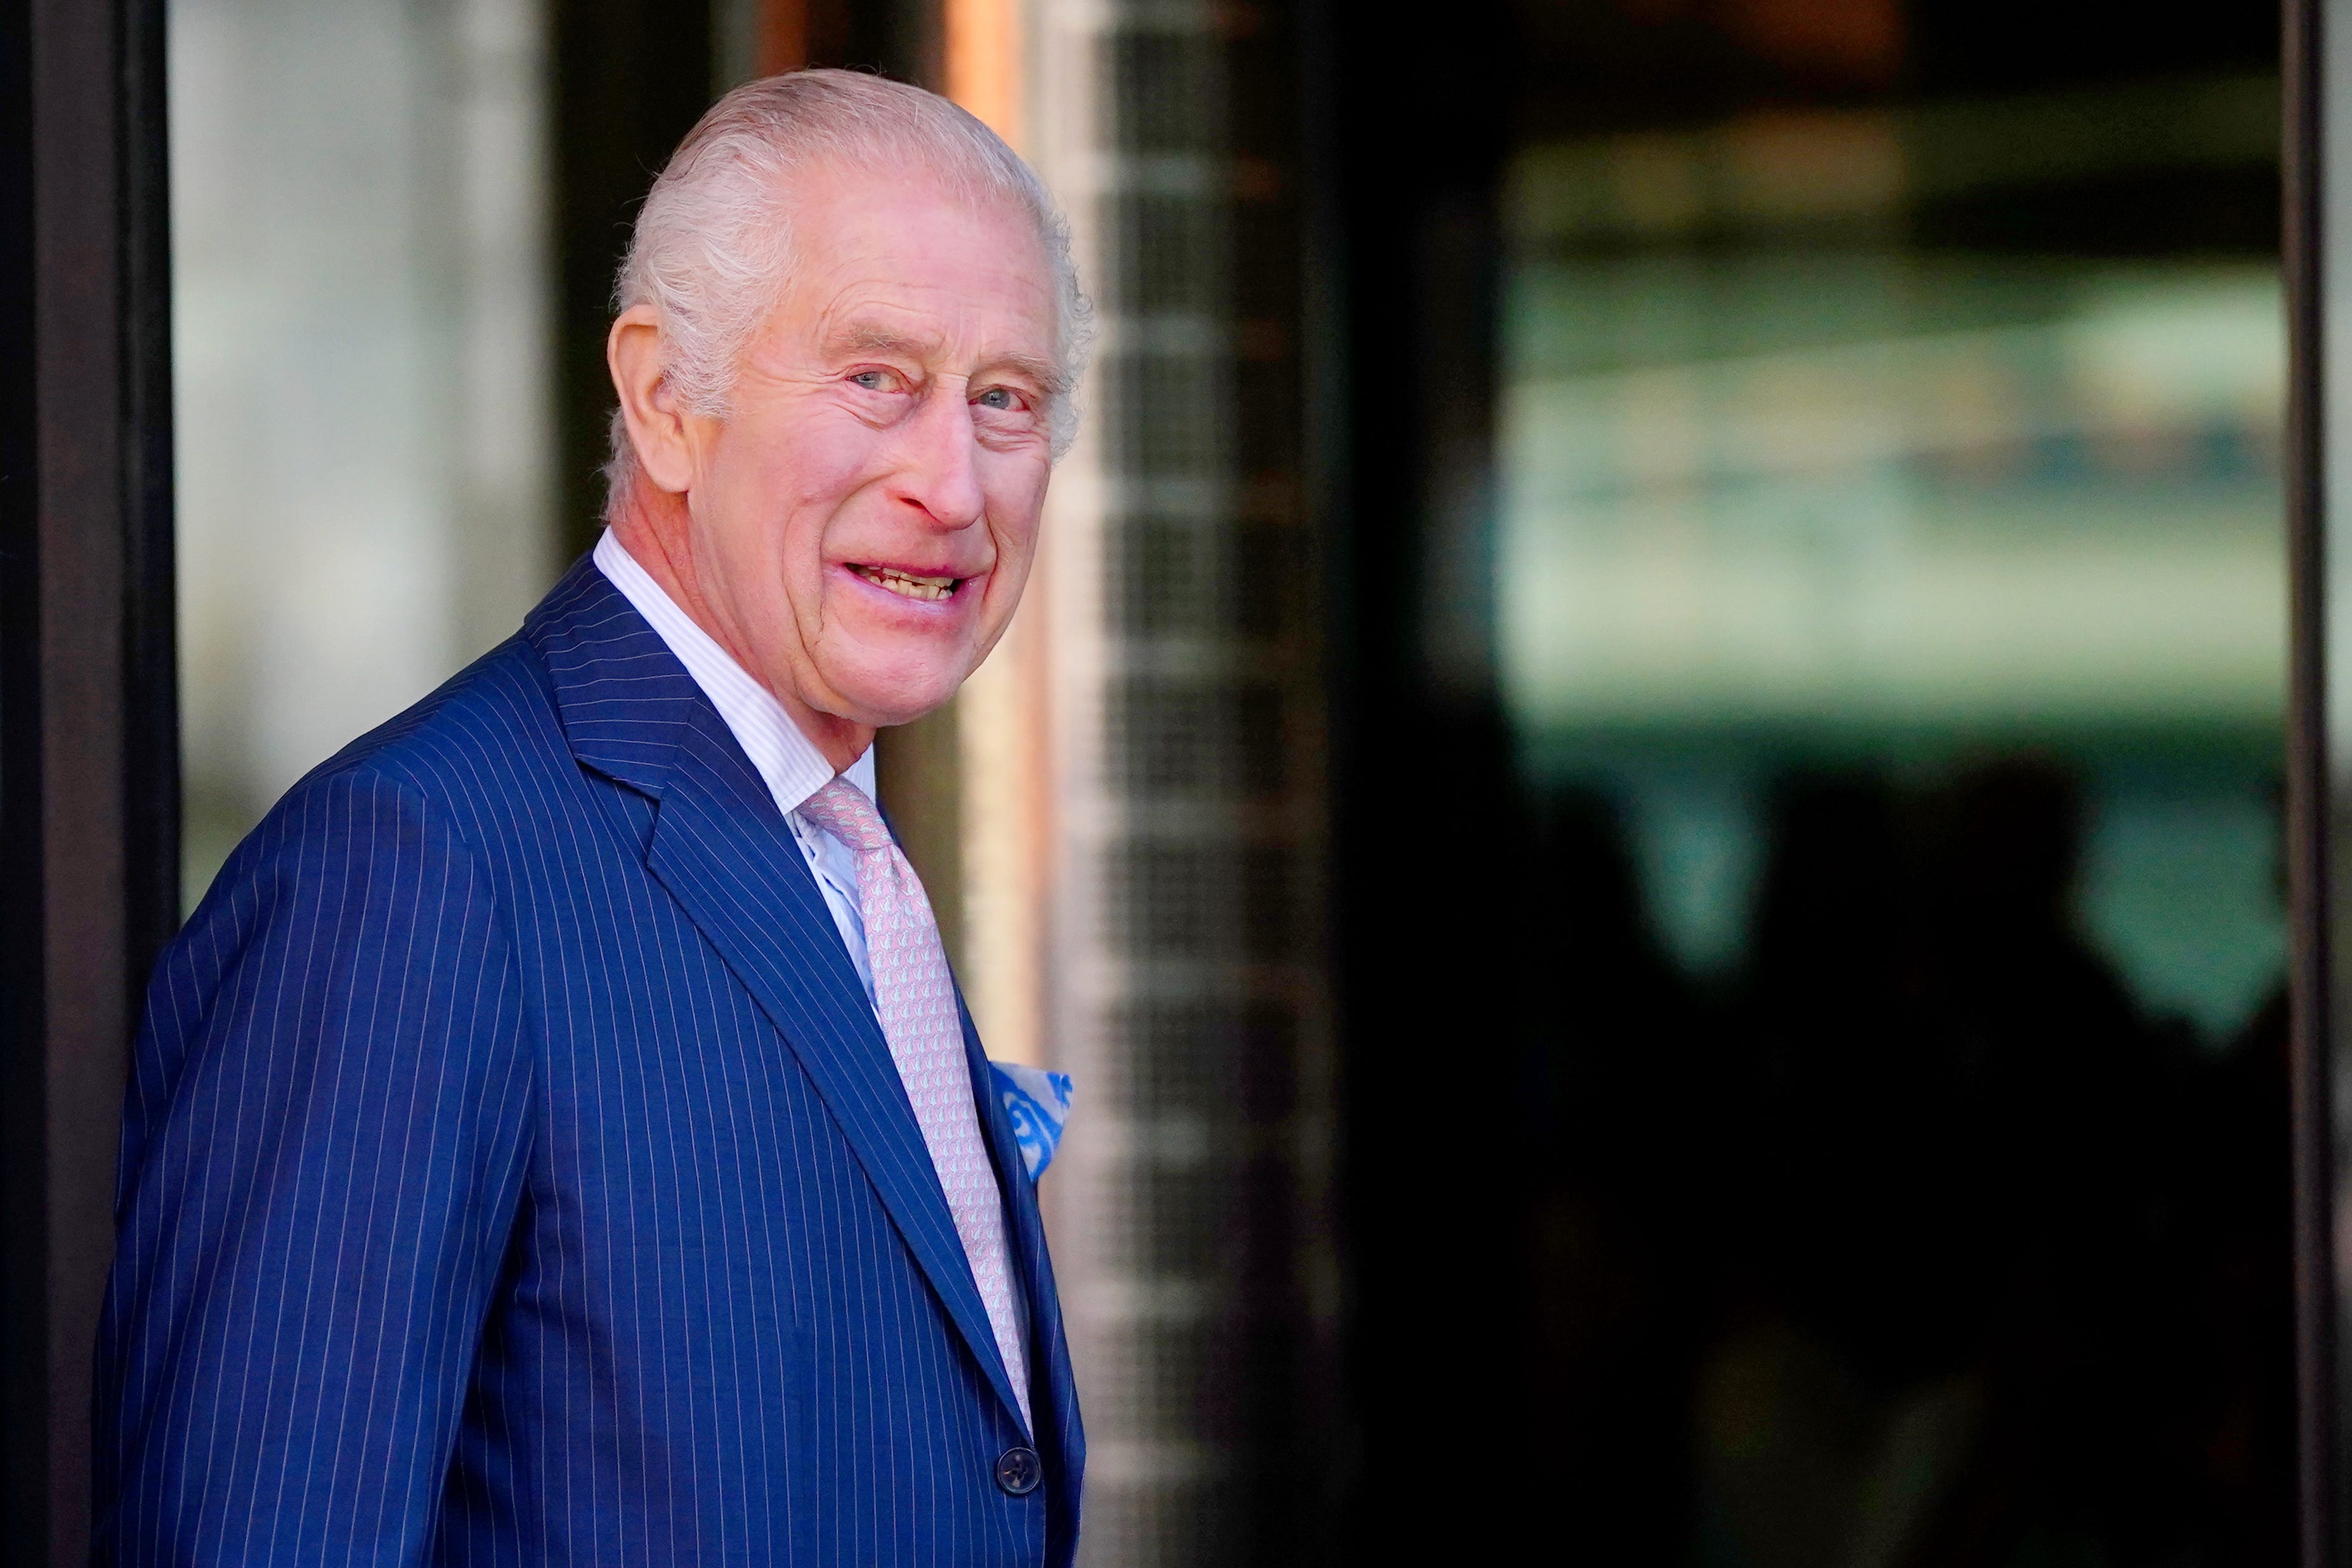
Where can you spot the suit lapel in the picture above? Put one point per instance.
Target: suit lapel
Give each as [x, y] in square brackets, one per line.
[725, 855]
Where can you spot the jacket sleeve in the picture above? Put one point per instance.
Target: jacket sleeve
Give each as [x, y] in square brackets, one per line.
[324, 1146]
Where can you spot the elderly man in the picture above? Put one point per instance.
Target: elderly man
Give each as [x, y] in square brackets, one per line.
[557, 1136]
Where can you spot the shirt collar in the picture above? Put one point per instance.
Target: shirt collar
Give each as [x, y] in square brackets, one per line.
[788, 762]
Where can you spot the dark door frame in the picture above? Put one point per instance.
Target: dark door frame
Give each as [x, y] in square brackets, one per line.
[89, 727]
[2308, 807]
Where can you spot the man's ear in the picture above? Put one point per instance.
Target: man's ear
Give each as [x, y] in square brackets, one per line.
[633, 351]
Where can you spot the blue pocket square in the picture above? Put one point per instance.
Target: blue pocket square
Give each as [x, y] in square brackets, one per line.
[1038, 1102]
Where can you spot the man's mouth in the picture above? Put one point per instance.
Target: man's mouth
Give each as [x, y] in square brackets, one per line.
[906, 584]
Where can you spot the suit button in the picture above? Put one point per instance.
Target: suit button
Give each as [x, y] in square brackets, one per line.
[1018, 1471]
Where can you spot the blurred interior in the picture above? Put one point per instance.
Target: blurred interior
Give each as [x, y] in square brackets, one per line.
[1642, 779]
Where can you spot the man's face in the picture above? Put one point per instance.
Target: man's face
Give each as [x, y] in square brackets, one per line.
[863, 519]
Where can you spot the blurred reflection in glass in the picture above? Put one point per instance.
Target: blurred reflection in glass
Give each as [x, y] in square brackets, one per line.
[1890, 592]
[359, 343]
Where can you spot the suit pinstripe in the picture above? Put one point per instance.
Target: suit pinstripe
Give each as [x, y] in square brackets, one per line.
[514, 1171]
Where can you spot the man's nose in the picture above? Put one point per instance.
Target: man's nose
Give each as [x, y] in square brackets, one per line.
[939, 474]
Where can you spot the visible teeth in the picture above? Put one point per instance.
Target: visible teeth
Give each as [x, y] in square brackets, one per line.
[907, 583]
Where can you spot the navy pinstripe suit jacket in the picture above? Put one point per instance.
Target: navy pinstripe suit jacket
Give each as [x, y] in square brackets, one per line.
[513, 1172]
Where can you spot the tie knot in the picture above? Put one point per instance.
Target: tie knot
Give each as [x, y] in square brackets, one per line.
[842, 809]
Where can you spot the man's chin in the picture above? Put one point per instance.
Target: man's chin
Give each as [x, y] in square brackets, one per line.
[883, 700]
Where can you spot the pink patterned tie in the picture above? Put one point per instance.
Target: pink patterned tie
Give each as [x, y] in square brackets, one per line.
[917, 1001]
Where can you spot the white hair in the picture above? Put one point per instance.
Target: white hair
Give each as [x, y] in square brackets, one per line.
[710, 251]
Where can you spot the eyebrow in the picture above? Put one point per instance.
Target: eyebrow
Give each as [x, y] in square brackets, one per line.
[868, 337]
[1038, 371]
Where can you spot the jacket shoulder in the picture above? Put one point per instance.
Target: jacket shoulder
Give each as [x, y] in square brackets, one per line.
[460, 759]
[498, 718]
[492, 722]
